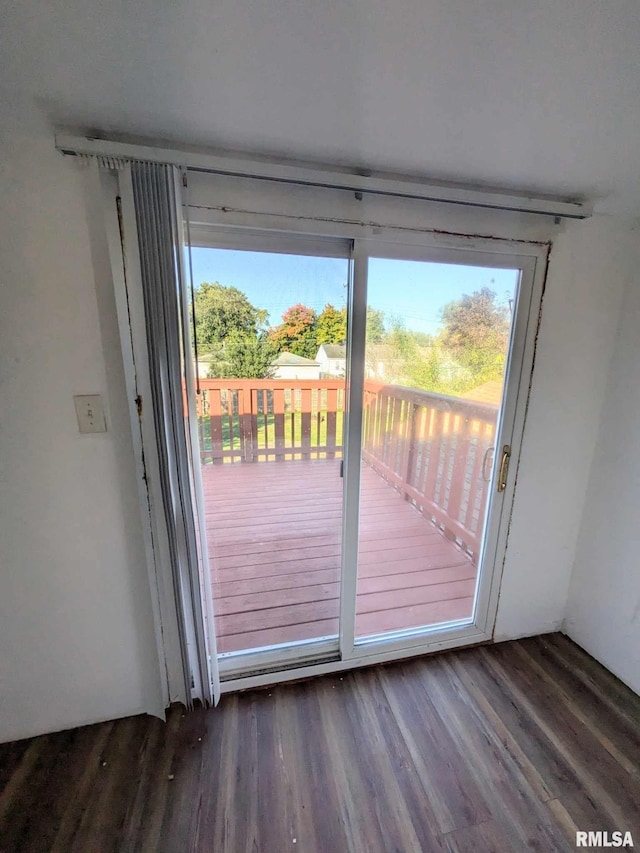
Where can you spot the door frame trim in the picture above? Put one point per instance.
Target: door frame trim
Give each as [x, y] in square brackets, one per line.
[531, 257]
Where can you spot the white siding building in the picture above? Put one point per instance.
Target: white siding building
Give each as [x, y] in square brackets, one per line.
[332, 359]
[290, 366]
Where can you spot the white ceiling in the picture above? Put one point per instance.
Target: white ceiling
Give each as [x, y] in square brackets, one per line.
[533, 94]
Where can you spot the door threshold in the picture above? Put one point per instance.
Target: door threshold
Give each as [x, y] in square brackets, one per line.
[300, 671]
[280, 658]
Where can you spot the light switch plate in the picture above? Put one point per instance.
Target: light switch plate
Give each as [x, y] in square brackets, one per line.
[90, 413]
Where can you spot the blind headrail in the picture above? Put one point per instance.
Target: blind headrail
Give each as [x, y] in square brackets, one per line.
[315, 175]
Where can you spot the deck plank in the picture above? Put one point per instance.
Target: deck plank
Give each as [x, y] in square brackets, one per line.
[274, 535]
[408, 580]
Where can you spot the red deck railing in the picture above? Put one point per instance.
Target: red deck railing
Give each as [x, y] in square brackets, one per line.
[252, 420]
[432, 448]
[436, 450]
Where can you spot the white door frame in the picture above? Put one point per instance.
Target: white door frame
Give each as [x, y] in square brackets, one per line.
[530, 258]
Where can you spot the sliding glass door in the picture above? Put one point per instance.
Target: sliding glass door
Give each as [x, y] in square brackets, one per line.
[435, 355]
[270, 329]
[357, 407]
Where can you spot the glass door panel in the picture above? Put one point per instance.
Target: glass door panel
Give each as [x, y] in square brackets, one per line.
[271, 354]
[437, 343]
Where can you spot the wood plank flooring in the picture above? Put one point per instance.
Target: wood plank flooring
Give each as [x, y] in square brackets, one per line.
[508, 748]
[274, 532]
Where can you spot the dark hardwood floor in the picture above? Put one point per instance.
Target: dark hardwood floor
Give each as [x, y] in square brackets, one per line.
[504, 748]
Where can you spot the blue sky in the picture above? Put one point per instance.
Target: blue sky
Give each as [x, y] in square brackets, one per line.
[414, 291]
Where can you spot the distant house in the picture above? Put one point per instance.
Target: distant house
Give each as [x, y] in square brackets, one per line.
[332, 359]
[290, 366]
[203, 364]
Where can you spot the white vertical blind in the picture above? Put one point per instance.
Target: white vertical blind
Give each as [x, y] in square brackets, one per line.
[157, 202]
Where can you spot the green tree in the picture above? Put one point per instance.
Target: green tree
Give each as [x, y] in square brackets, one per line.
[249, 356]
[476, 333]
[401, 343]
[297, 333]
[221, 311]
[427, 373]
[423, 339]
[331, 325]
[375, 326]
[231, 331]
[397, 353]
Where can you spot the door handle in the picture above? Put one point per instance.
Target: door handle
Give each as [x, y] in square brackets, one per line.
[504, 468]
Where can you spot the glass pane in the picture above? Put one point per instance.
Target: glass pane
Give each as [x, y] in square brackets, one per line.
[436, 349]
[271, 332]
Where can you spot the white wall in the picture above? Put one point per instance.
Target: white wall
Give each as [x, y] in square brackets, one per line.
[603, 612]
[542, 96]
[76, 633]
[590, 264]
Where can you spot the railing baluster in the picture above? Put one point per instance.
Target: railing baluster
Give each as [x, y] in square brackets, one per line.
[292, 420]
[215, 420]
[246, 425]
[332, 421]
[317, 443]
[278, 422]
[252, 396]
[383, 434]
[478, 455]
[263, 408]
[305, 418]
[435, 446]
[233, 422]
[459, 467]
[377, 448]
[421, 453]
[407, 463]
[397, 435]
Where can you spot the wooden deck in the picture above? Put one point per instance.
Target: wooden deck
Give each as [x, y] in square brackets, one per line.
[274, 532]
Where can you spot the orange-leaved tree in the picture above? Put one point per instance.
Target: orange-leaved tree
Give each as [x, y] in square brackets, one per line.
[297, 333]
